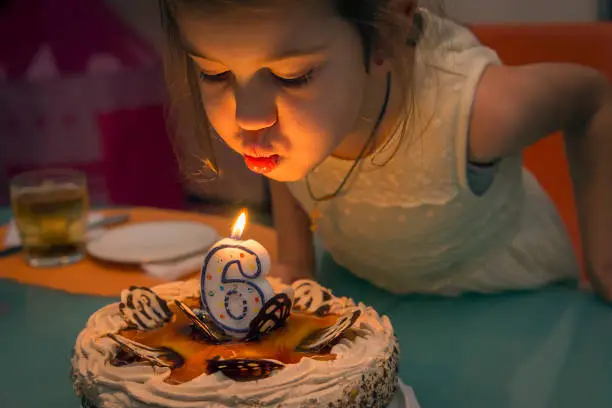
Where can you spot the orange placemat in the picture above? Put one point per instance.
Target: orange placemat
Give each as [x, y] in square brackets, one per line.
[92, 277]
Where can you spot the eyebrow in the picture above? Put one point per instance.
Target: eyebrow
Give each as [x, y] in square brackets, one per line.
[285, 55]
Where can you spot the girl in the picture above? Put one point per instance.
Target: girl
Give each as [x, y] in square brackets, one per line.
[397, 137]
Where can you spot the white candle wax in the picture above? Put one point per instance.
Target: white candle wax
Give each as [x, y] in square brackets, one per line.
[233, 284]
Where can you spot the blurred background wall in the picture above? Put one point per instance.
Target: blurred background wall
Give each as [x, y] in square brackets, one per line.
[498, 11]
[84, 88]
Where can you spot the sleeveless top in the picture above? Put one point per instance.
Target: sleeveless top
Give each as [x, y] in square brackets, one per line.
[413, 224]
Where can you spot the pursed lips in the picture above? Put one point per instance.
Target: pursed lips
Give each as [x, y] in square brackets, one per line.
[262, 164]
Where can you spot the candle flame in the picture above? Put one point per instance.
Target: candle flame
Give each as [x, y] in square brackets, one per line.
[239, 225]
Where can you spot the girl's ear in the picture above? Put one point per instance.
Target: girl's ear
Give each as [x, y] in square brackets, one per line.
[380, 61]
[408, 17]
[406, 8]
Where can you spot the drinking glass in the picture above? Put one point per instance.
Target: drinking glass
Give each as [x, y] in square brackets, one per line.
[50, 209]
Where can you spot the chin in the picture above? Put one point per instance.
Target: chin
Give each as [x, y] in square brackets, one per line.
[282, 177]
[285, 176]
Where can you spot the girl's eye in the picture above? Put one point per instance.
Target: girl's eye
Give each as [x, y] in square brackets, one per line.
[222, 77]
[295, 82]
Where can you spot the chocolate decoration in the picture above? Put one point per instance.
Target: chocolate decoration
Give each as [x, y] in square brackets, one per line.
[242, 369]
[125, 357]
[325, 337]
[142, 308]
[162, 357]
[272, 315]
[205, 327]
[312, 297]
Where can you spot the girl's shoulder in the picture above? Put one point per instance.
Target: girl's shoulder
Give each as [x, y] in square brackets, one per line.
[451, 48]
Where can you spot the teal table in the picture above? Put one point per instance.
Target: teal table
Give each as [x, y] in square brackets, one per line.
[546, 349]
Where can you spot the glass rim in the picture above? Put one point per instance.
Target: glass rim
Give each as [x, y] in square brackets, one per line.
[60, 171]
[49, 172]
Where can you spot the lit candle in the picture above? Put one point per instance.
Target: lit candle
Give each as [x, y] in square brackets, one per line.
[233, 283]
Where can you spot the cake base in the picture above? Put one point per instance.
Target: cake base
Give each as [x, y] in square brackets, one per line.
[381, 380]
[404, 398]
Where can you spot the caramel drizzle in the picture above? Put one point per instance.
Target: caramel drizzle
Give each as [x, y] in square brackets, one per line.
[280, 345]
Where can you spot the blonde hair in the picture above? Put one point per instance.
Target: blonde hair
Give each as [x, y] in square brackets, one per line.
[380, 28]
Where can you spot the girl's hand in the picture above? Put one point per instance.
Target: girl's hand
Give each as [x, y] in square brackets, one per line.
[289, 274]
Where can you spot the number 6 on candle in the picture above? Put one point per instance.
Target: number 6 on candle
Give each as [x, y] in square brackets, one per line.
[233, 284]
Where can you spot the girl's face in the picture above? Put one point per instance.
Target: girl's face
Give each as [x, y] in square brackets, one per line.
[282, 86]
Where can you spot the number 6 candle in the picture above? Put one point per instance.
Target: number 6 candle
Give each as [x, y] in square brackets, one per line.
[233, 283]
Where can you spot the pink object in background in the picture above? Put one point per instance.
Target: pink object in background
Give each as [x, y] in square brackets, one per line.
[79, 89]
[147, 172]
[73, 30]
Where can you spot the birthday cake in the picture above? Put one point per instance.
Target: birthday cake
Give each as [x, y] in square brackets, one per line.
[147, 352]
[235, 338]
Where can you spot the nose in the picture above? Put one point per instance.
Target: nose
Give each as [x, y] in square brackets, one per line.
[255, 106]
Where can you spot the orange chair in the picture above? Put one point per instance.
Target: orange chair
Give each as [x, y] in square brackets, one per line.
[587, 44]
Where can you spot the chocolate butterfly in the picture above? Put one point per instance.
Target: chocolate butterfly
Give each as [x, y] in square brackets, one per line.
[141, 307]
[206, 327]
[272, 315]
[163, 356]
[311, 297]
[125, 357]
[242, 369]
[326, 336]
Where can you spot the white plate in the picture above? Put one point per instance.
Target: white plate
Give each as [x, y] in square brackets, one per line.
[153, 241]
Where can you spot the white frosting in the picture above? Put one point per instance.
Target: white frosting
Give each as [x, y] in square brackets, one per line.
[309, 383]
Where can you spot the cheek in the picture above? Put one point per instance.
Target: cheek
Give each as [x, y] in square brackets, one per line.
[220, 109]
[218, 103]
[314, 128]
[331, 111]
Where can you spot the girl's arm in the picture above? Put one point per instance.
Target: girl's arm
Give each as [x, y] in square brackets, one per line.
[296, 255]
[515, 107]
